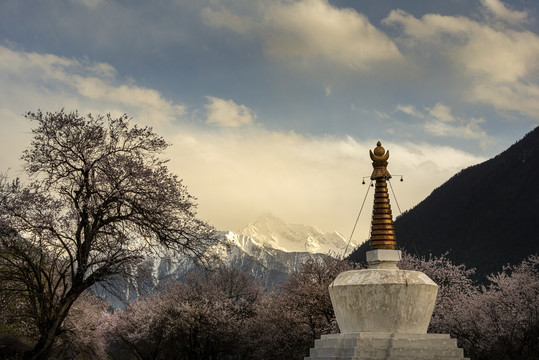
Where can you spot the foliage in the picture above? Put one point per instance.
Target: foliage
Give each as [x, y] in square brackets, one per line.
[201, 319]
[496, 321]
[100, 198]
[83, 335]
[226, 315]
[501, 320]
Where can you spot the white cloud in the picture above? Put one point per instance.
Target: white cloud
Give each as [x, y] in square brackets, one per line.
[500, 56]
[487, 56]
[443, 123]
[382, 115]
[501, 11]
[327, 90]
[497, 54]
[440, 121]
[410, 110]
[49, 80]
[227, 113]
[442, 112]
[89, 3]
[520, 97]
[311, 30]
[469, 129]
[223, 17]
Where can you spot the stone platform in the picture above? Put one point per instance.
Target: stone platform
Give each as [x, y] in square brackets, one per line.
[378, 345]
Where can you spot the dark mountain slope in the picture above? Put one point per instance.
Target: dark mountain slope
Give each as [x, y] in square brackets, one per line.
[486, 216]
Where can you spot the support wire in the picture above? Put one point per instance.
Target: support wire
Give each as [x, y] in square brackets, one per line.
[357, 219]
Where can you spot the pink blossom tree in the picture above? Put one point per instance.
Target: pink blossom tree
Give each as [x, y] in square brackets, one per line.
[84, 330]
[502, 320]
[290, 319]
[100, 197]
[499, 320]
[199, 319]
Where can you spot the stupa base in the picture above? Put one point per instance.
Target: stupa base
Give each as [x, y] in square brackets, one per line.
[379, 345]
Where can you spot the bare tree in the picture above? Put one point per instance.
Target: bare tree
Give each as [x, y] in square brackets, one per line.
[100, 197]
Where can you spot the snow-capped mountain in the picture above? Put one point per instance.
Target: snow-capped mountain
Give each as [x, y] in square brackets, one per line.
[269, 250]
[264, 262]
[270, 231]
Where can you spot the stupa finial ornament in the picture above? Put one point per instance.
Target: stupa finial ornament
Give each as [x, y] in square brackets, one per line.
[379, 162]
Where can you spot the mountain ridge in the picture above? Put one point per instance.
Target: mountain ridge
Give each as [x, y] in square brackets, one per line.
[272, 231]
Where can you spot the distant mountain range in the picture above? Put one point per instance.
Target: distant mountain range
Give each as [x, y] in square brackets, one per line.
[486, 216]
[273, 232]
[269, 249]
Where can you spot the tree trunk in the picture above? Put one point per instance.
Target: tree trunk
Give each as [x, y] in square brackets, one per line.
[43, 348]
[41, 351]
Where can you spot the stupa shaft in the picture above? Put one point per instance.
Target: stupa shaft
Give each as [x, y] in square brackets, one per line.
[382, 229]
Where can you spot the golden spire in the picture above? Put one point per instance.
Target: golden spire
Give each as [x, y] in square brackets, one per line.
[382, 231]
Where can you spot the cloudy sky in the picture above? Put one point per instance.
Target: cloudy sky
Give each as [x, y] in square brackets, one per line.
[272, 105]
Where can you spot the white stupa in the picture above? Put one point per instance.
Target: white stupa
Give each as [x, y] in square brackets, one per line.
[383, 312]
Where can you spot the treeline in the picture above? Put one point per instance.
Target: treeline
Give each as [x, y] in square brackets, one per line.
[226, 314]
